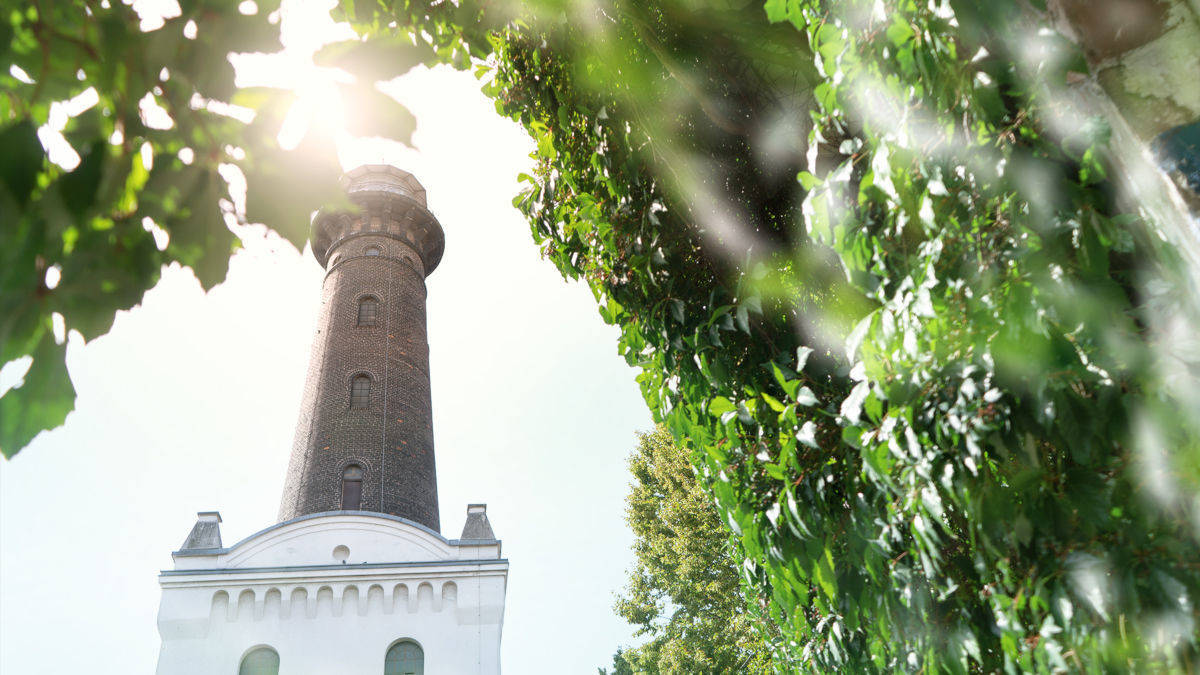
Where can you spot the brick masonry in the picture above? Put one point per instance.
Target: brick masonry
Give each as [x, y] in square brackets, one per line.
[392, 437]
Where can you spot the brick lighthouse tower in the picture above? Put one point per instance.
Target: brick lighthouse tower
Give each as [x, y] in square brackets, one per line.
[365, 436]
[356, 578]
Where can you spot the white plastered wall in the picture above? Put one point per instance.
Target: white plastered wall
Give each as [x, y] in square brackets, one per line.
[330, 593]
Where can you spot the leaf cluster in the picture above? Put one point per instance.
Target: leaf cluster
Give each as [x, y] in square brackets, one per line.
[924, 379]
[121, 134]
[139, 151]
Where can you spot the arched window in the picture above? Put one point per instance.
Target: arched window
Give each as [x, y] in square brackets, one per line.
[404, 658]
[352, 479]
[260, 661]
[368, 311]
[360, 391]
[373, 250]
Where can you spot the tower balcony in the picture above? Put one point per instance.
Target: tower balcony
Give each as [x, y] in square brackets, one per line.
[387, 201]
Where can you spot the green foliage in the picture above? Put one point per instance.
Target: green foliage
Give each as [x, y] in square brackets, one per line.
[684, 590]
[619, 666]
[146, 113]
[932, 378]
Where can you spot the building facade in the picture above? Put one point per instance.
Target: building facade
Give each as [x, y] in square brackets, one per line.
[356, 577]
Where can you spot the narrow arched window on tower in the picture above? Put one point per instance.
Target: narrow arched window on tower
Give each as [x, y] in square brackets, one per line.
[260, 661]
[368, 311]
[352, 480]
[404, 658]
[360, 392]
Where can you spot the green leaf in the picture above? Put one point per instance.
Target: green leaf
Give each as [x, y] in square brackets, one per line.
[773, 402]
[370, 112]
[776, 10]
[807, 180]
[43, 400]
[829, 42]
[899, 32]
[78, 188]
[6, 36]
[743, 319]
[752, 303]
[380, 58]
[787, 380]
[676, 307]
[191, 214]
[785, 10]
[284, 187]
[720, 405]
[825, 576]
[21, 160]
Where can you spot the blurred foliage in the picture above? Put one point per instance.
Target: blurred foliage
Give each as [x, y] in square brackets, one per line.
[619, 665]
[878, 281]
[683, 592]
[143, 119]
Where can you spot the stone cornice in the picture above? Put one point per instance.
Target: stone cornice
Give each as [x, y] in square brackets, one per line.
[391, 203]
[360, 573]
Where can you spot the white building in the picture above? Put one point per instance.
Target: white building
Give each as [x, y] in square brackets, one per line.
[355, 579]
[335, 593]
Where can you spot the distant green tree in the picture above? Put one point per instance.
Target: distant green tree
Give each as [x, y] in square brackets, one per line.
[683, 591]
[619, 666]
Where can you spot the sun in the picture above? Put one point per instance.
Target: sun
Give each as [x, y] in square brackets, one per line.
[305, 27]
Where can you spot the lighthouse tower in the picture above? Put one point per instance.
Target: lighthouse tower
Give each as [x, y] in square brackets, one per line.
[355, 578]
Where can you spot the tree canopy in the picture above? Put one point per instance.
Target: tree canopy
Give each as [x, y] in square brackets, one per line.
[872, 260]
[931, 383]
[121, 134]
[114, 136]
[684, 592]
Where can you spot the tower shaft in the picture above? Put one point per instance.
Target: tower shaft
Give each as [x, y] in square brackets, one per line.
[364, 440]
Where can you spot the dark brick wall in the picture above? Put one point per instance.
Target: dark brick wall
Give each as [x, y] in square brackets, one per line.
[391, 438]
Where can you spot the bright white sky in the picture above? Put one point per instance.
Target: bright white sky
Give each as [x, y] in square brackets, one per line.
[190, 402]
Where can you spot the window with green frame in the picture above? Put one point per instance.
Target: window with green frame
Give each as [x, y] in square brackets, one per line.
[404, 658]
[260, 661]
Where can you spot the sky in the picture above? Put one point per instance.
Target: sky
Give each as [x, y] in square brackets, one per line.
[189, 404]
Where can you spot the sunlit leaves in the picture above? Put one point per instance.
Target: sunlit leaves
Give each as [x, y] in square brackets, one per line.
[379, 58]
[683, 591]
[785, 10]
[184, 200]
[309, 173]
[43, 399]
[370, 112]
[805, 397]
[130, 102]
[910, 395]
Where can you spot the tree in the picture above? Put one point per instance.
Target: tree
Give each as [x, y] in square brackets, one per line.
[619, 666]
[932, 382]
[136, 118]
[684, 589]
